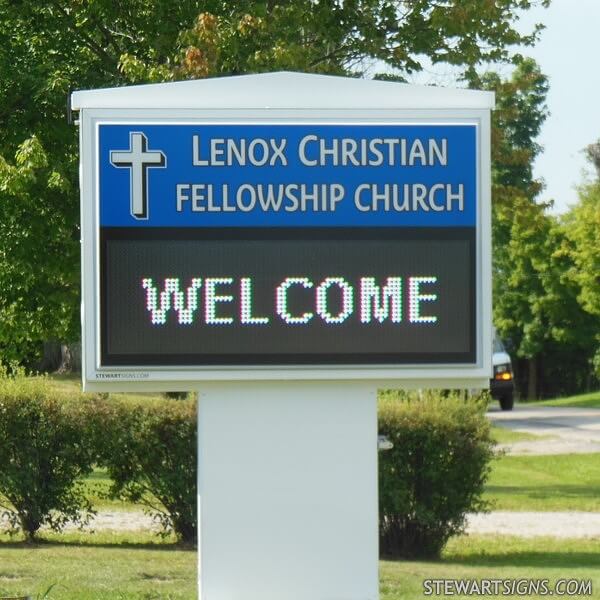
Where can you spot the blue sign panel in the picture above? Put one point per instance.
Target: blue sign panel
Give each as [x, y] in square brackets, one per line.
[287, 175]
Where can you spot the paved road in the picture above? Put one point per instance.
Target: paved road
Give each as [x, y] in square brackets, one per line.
[569, 430]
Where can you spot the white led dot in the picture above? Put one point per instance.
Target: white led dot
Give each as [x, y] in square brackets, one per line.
[185, 305]
[246, 317]
[375, 302]
[347, 300]
[415, 298]
[211, 299]
[281, 300]
[185, 311]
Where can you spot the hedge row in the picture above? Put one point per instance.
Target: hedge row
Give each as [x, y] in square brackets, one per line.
[49, 443]
[436, 471]
[432, 477]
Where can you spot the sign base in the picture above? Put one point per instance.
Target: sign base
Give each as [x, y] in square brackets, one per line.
[287, 491]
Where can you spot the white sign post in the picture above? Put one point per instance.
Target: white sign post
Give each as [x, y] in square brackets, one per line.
[285, 244]
[288, 491]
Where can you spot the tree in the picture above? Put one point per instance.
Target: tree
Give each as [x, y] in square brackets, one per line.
[535, 300]
[339, 36]
[592, 153]
[538, 305]
[49, 48]
[583, 227]
[519, 225]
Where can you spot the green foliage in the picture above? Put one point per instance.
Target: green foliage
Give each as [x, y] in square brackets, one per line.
[44, 455]
[50, 48]
[331, 36]
[46, 50]
[435, 473]
[536, 300]
[520, 226]
[517, 120]
[536, 307]
[177, 395]
[582, 224]
[149, 451]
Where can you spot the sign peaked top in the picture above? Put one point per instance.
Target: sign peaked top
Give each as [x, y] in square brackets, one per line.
[282, 90]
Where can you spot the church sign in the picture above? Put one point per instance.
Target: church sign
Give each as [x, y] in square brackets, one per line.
[269, 246]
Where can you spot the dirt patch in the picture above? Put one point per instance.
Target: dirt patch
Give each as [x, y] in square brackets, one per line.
[564, 430]
[536, 524]
[551, 446]
[121, 521]
[522, 524]
[115, 521]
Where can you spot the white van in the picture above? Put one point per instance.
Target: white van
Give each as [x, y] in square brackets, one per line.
[502, 385]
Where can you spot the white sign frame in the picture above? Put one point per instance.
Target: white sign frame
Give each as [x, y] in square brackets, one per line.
[99, 378]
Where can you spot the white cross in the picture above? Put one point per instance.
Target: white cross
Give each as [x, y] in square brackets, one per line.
[138, 159]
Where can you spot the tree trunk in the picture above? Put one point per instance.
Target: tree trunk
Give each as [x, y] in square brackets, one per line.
[52, 357]
[65, 359]
[532, 379]
[60, 358]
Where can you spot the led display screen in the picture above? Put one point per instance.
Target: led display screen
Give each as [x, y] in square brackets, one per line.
[215, 296]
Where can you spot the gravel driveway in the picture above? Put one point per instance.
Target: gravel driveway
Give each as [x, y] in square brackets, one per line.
[537, 524]
[568, 430]
[523, 524]
[112, 521]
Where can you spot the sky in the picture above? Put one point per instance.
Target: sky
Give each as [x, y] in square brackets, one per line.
[568, 54]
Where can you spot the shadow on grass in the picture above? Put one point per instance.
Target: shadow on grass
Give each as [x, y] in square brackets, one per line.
[46, 543]
[527, 559]
[547, 491]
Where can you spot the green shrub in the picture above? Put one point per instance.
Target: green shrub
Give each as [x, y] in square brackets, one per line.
[435, 473]
[177, 395]
[44, 455]
[149, 450]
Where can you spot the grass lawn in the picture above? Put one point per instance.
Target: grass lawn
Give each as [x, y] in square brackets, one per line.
[495, 557]
[502, 435]
[96, 489]
[136, 566]
[520, 483]
[591, 400]
[139, 565]
[545, 483]
[98, 566]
